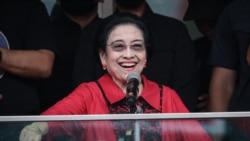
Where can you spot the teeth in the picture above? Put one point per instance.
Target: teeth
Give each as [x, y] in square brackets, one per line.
[128, 64]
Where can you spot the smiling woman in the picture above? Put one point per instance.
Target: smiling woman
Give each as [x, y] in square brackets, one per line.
[122, 46]
[125, 52]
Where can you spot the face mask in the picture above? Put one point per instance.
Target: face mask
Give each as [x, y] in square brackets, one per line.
[129, 3]
[78, 7]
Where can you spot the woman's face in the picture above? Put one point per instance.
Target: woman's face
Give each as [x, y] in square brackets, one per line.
[125, 52]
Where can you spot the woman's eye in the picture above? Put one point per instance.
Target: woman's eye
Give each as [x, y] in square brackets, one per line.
[118, 47]
[138, 46]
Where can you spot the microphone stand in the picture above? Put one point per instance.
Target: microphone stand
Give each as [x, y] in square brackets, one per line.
[136, 129]
[130, 132]
[137, 134]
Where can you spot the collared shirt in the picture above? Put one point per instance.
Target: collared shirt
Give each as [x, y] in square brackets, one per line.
[88, 99]
[69, 34]
[229, 50]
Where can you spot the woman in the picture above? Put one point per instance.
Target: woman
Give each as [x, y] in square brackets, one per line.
[123, 45]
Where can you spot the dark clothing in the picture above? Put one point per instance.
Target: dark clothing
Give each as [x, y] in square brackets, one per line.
[172, 62]
[27, 26]
[202, 48]
[229, 50]
[87, 66]
[69, 35]
[60, 82]
[173, 59]
[232, 38]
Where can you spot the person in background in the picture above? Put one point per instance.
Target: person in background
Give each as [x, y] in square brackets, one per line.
[230, 87]
[56, 10]
[76, 19]
[172, 62]
[30, 55]
[27, 50]
[205, 14]
[229, 58]
[123, 45]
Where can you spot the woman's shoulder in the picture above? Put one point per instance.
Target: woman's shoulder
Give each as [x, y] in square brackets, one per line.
[86, 87]
[94, 86]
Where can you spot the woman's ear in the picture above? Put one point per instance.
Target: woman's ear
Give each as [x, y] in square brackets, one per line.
[102, 56]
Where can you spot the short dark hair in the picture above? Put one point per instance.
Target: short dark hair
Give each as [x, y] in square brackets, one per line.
[113, 21]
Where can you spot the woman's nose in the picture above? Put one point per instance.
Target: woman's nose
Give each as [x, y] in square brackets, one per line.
[129, 53]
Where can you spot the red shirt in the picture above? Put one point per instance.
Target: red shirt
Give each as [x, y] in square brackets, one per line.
[88, 99]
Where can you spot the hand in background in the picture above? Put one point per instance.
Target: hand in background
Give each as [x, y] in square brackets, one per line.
[202, 103]
[34, 131]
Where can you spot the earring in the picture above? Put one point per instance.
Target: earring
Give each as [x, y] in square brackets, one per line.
[104, 67]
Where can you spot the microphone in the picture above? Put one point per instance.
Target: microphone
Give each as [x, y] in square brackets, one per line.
[133, 81]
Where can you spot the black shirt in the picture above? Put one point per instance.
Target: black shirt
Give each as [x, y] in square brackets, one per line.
[87, 66]
[27, 26]
[173, 57]
[229, 50]
[69, 35]
[202, 47]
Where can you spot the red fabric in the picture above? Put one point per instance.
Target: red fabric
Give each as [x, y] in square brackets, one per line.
[88, 99]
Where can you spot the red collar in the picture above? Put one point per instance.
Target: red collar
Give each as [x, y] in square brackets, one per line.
[150, 92]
